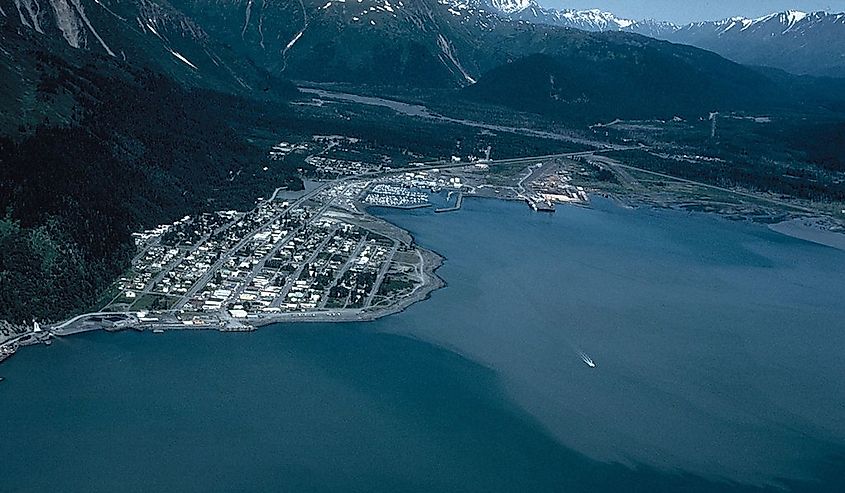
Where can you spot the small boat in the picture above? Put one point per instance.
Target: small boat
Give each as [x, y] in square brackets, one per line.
[158, 331]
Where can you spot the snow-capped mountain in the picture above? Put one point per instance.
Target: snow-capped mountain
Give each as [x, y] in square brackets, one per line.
[799, 42]
[531, 11]
[510, 6]
[435, 43]
[590, 20]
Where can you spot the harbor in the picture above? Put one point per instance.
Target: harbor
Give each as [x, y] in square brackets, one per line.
[301, 378]
[458, 203]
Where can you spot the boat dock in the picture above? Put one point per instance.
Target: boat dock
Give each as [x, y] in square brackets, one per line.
[540, 205]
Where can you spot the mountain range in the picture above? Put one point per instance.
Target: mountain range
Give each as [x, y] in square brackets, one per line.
[250, 47]
[118, 115]
[799, 42]
[510, 53]
[575, 65]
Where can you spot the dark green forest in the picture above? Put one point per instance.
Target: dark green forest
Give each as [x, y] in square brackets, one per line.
[806, 183]
[143, 151]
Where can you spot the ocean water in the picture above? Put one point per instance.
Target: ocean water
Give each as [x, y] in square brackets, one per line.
[719, 364]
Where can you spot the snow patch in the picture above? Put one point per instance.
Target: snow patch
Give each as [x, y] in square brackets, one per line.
[294, 40]
[510, 6]
[81, 12]
[183, 59]
[446, 48]
[68, 23]
[793, 17]
[594, 19]
[151, 28]
[110, 11]
[246, 17]
[261, 26]
[33, 9]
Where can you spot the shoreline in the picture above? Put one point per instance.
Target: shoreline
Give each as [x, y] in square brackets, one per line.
[809, 229]
[434, 323]
[432, 283]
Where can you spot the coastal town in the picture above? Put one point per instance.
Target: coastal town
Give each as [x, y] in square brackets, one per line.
[319, 255]
[314, 255]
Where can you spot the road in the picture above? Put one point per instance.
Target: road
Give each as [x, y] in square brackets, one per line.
[431, 165]
[380, 278]
[282, 242]
[60, 329]
[342, 271]
[298, 272]
[202, 281]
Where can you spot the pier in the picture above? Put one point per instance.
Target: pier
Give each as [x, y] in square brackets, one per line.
[406, 207]
[540, 205]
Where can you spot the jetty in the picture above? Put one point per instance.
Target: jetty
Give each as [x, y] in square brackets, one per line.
[458, 203]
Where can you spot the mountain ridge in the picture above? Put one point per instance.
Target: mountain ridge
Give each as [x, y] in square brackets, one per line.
[803, 43]
[240, 46]
[141, 32]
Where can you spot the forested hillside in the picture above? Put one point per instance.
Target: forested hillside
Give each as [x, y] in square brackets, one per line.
[138, 149]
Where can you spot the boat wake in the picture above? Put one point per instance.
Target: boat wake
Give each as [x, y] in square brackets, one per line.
[586, 359]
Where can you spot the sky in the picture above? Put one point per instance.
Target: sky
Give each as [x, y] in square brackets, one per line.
[682, 11]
